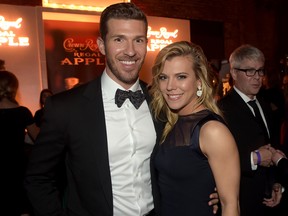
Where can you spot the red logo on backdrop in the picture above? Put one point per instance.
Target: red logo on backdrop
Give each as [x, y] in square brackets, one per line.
[72, 53]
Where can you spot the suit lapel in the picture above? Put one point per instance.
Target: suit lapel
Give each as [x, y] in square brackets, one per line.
[241, 103]
[266, 112]
[98, 138]
[243, 106]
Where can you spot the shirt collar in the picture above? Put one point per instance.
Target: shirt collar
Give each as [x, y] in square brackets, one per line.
[109, 86]
[243, 96]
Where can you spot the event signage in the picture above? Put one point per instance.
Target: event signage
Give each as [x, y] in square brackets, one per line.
[159, 39]
[9, 33]
[82, 52]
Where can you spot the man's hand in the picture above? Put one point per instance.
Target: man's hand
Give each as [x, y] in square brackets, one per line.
[214, 201]
[265, 154]
[276, 156]
[276, 196]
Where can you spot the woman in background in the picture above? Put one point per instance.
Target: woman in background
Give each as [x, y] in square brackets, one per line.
[197, 152]
[38, 117]
[15, 120]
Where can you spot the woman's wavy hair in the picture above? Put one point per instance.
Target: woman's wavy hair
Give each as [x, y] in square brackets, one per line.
[202, 72]
[8, 86]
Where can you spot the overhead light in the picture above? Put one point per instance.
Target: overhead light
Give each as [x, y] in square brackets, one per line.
[87, 5]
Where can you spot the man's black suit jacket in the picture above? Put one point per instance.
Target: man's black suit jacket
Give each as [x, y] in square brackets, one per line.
[249, 137]
[74, 122]
[282, 171]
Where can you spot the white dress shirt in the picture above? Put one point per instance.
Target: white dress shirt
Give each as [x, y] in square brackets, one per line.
[131, 138]
[247, 99]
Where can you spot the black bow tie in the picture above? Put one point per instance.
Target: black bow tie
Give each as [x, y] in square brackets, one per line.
[136, 98]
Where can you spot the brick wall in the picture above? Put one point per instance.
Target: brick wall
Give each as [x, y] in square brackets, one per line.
[259, 22]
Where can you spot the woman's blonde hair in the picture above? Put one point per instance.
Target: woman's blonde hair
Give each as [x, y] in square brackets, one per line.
[202, 73]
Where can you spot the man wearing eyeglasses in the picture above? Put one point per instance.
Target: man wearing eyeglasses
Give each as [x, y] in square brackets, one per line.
[249, 121]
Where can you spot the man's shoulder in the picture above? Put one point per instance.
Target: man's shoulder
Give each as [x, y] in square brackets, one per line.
[67, 94]
[143, 84]
[74, 93]
[226, 100]
[145, 88]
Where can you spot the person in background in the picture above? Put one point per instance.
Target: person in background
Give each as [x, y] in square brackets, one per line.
[272, 94]
[197, 151]
[2, 65]
[251, 129]
[284, 126]
[104, 127]
[38, 117]
[280, 160]
[215, 65]
[284, 87]
[14, 121]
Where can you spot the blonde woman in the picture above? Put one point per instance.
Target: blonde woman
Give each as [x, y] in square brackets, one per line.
[197, 152]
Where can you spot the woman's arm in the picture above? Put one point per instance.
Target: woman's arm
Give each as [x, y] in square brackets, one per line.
[33, 131]
[218, 144]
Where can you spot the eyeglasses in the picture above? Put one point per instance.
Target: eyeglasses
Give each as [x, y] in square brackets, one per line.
[251, 72]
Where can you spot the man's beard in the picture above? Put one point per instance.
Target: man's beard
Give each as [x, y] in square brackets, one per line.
[128, 80]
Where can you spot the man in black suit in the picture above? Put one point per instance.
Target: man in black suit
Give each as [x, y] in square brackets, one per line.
[108, 140]
[252, 135]
[281, 162]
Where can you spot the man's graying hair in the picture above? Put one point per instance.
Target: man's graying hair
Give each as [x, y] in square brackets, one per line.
[124, 11]
[243, 52]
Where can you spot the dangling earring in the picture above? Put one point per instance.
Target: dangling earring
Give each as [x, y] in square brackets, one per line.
[199, 91]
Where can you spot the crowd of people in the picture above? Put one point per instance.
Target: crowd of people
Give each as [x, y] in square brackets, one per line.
[118, 146]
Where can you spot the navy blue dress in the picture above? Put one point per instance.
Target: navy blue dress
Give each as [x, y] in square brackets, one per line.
[184, 175]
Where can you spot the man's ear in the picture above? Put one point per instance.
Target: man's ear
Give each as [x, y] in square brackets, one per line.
[233, 73]
[101, 45]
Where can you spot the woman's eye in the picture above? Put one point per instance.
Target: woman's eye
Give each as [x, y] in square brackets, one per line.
[161, 77]
[181, 77]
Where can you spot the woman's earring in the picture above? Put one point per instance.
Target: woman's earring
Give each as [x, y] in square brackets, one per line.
[199, 91]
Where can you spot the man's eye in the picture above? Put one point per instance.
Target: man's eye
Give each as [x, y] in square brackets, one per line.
[251, 70]
[140, 40]
[118, 39]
